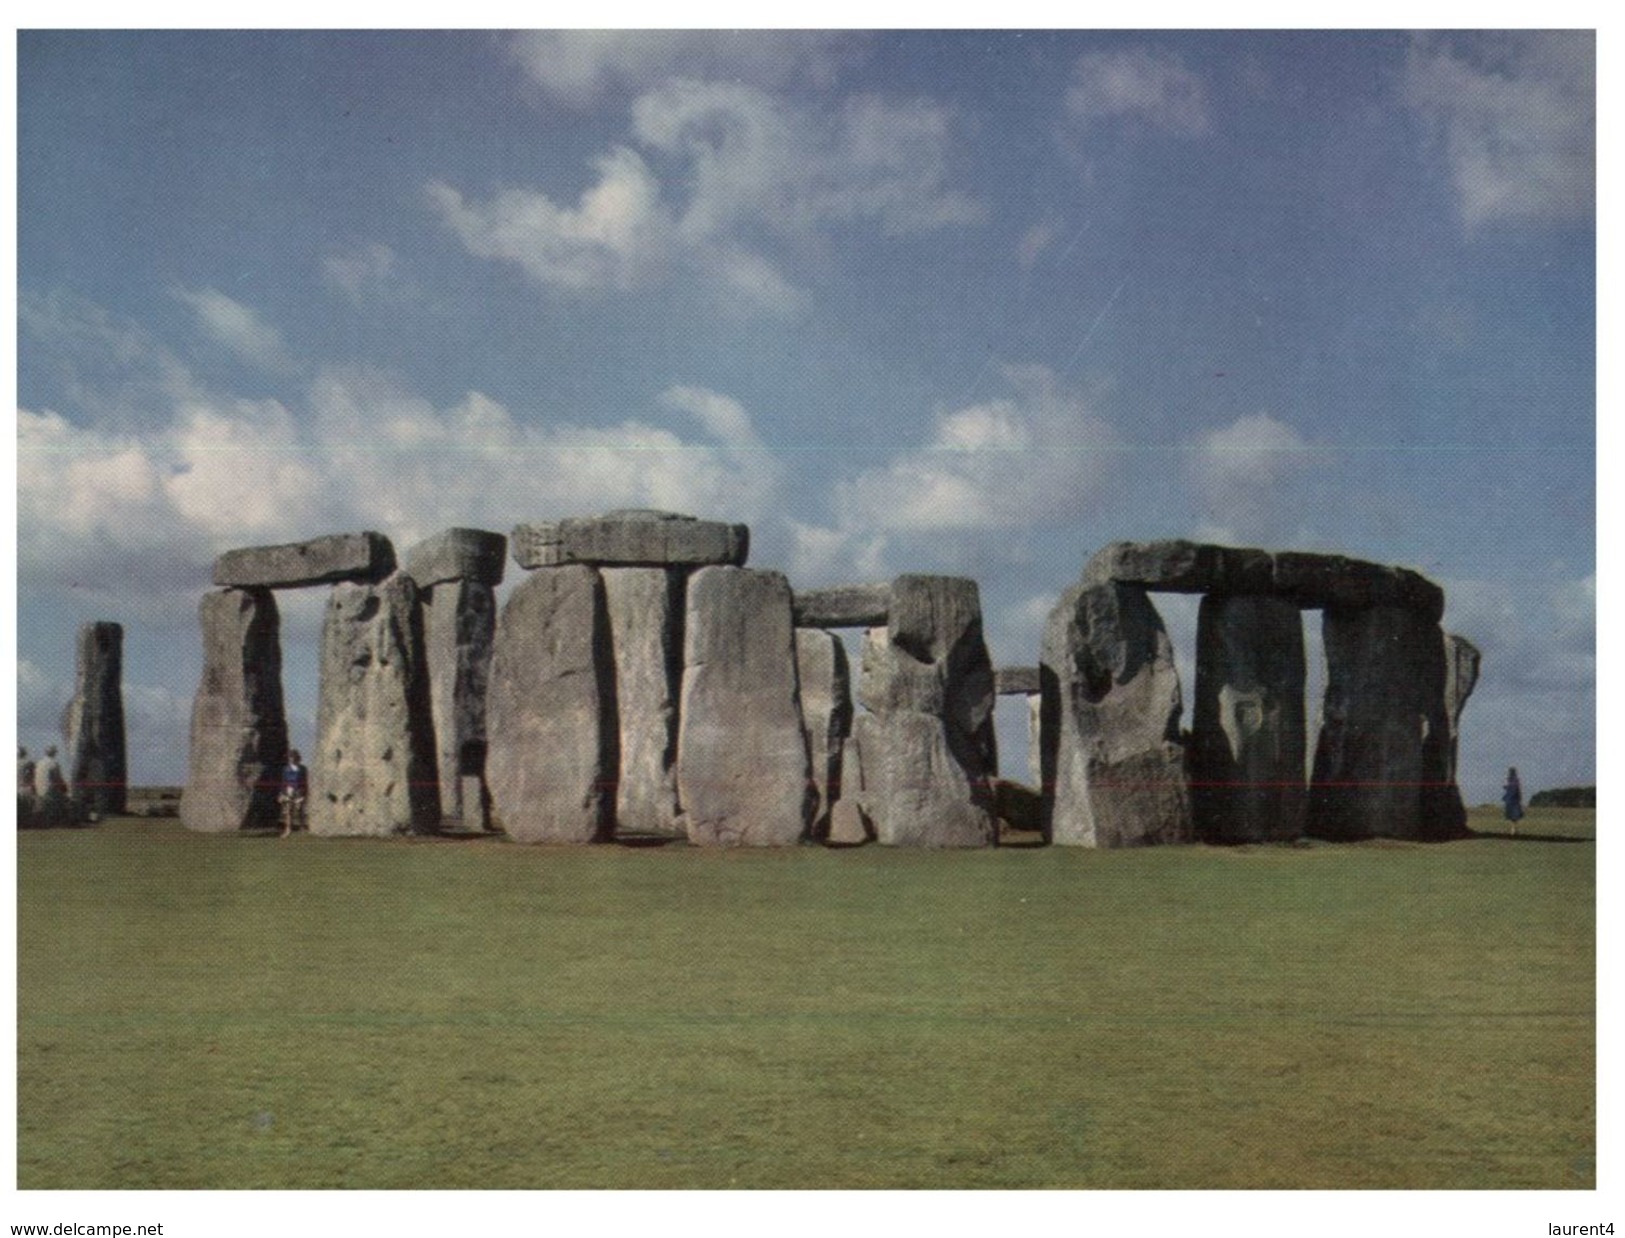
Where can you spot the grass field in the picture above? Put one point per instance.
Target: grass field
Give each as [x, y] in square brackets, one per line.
[204, 1011]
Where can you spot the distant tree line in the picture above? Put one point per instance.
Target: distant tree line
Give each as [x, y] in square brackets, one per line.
[1565, 797]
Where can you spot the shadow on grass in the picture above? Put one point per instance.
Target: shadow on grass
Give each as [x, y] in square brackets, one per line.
[1508, 836]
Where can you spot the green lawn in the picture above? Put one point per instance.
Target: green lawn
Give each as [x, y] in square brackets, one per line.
[204, 1011]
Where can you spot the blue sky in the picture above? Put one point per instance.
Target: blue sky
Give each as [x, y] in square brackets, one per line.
[967, 302]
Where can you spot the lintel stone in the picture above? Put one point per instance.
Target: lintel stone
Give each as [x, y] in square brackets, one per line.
[458, 554]
[843, 606]
[361, 557]
[1016, 681]
[632, 538]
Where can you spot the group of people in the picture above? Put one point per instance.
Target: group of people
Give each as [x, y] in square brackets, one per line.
[43, 799]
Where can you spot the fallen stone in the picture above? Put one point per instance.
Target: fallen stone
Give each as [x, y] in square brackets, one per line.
[459, 626]
[843, 606]
[927, 740]
[239, 731]
[324, 560]
[373, 771]
[551, 732]
[645, 609]
[1247, 743]
[631, 539]
[94, 730]
[826, 712]
[1382, 756]
[743, 773]
[1016, 681]
[1113, 766]
[458, 554]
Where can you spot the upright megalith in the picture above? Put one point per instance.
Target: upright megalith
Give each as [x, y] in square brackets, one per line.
[456, 572]
[1247, 742]
[1113, 765]
[551, 734]
[1461, 665]
[826, 712]
[1382, 756]
[927, 733]
[631, 538]
[743, 773]
[373, 771]
[645, 615]
[94, 724]
[239, 730]
[321, 561]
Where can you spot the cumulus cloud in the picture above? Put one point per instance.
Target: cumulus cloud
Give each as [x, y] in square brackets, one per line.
[1038, 456]
[145, 513]
[749, 169]
[1248, 476]
[1143, 86]
[578, 68]
[1515, 117]
[242, 331]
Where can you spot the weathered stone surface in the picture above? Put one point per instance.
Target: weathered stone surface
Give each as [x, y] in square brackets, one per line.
[1247, 743]
[826, 712]
[373, 771]
[843, 606]
[239, 730]
[458, 554]
[552, 737]
[1309, 580]
[324, 560]
[743, 773]
[459, 625]
[847, 827]
[1461, 664]
[94, 724]
[645, 607]
[633, 538]
[1113, 767]
[1382, 757]
[1035, 735]
[927, 740]
[1016, 681]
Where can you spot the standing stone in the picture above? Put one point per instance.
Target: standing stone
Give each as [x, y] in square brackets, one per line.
[1113, 766]
[550, 710]
[1247, 746]
[94, 730]
[743, 773]
[239, 730]
[1382, 757]
[459, 624]
[645, 608]
[1461, 663]
[1035, 737]
[374, 768]
[927, 738]
[826, 711]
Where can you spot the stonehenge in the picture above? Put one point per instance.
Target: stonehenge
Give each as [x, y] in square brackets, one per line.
[640, 681]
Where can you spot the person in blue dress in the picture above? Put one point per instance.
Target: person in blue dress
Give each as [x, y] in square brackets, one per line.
[1512, 799]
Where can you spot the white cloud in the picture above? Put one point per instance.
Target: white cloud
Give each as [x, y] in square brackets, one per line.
[360, 271]
[1515, 116]
[614, 238]
[578, 68]
[1248, 476]
[749, 169]
[143, 514]
[1152, 88]
[242, 331]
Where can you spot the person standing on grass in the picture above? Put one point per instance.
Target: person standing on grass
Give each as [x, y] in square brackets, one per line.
[295, 789]
[25, 789]
[1512, 799]
[51, 790]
